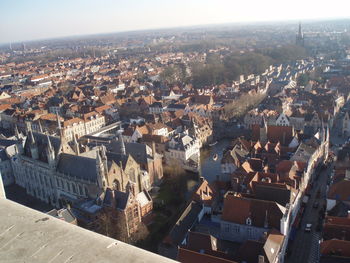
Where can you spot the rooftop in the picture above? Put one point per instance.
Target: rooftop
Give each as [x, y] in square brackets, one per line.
[31, 236]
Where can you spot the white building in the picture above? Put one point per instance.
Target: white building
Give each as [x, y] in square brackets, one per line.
[184, 150]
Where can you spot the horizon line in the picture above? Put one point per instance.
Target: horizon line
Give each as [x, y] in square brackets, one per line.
[177, 27]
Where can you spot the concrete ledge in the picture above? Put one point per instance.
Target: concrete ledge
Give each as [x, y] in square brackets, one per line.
[27, 235]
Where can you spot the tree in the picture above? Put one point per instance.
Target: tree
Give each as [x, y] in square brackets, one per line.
[240, 106]
[174, 74]
[112, 223]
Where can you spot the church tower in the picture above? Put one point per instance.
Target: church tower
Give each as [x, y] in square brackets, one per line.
[50, 153]
[299, 41]
[33, 146]
[100, 170]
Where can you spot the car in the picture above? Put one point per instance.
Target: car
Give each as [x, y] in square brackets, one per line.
[315, 205]
[308, 228]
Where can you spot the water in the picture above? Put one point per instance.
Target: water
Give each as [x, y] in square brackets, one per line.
[210, 168]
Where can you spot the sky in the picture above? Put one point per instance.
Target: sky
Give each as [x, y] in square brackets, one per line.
[23, 20]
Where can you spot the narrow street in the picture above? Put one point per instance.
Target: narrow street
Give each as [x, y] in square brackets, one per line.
[305, 246]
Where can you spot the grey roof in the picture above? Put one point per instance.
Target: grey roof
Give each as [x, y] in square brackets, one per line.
[121, 198]
[138, 151]
[41, 141]
[176, 106]
[3, 155]
[117, 158]
[77, 166]
[186, 221]
[6, 143]
[156, 104]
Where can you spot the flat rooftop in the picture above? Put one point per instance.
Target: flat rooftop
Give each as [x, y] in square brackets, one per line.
[27, 235]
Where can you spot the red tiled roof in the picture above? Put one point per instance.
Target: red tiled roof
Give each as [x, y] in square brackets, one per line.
[188, 256]
[237, 210]
[340, 190]
[340, 247]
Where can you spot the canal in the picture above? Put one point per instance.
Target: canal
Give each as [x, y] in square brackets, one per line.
[210, 168]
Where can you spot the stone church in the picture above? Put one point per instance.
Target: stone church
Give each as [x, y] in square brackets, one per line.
[58, 172]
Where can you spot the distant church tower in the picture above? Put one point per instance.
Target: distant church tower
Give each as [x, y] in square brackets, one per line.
[299, 41]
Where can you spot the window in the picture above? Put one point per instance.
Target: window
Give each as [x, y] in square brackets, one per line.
[236, 229]
[249, 233]
[227, 228]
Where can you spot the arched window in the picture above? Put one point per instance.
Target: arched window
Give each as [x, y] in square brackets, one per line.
[116, 185]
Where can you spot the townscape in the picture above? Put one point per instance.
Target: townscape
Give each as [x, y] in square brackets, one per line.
[115, 135]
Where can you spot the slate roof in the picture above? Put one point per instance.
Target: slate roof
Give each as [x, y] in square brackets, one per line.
[77, 166]
[183, 224]
[3, 155]
[138, 151]
[42, 142]
[117, 158]
[121, 199]
[272, 192]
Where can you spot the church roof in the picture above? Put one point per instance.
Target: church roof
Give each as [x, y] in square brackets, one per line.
[77, 166]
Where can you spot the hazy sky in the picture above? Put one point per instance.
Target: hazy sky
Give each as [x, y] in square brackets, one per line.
[34, 19]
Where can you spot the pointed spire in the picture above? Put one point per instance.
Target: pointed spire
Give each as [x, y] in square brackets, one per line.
[17, 132]
[49, 143]
[40, 127]
[98, 158]
[122, 145]
[32, 140]
[75, 144]
[58, 121]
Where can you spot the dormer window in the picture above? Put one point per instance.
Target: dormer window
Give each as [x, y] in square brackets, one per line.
[248, 221]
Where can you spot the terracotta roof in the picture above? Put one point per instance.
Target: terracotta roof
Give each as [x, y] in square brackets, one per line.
[188, 256]
[154, 138]
[204, 193]
[284, 134]
[197, 241]
[102, 108]
[334, 246]
[340, 190]
[50, 117]
[253, 165]
[5, 107]
[237, 210]
[71, 122]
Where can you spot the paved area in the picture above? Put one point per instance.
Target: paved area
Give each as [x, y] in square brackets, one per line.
[18, 195]
[305, 247]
